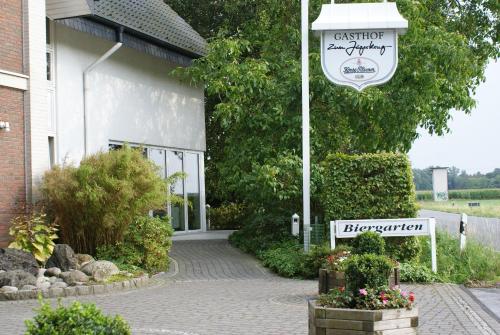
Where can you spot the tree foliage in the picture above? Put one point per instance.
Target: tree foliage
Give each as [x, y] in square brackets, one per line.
[252, 80]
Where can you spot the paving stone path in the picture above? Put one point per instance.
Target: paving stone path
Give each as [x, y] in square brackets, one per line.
[214, 289]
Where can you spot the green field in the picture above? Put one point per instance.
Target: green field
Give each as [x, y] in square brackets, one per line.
[488, 208]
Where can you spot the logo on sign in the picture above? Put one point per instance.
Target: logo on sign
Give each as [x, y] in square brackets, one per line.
[359, 69]
[359, 58]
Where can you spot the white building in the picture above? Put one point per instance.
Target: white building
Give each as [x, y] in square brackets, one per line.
[109, 82]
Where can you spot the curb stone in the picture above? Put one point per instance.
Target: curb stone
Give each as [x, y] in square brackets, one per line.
[72, 291]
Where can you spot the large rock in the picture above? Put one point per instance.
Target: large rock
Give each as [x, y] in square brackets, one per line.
[53, 272]
[83, 259]
[100, 270]
[63, 257]
[14, 259]
[73, 277]
[9, 289]
[17, 278]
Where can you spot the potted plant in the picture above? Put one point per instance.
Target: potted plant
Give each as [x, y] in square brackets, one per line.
[366, 305]
[331, 275]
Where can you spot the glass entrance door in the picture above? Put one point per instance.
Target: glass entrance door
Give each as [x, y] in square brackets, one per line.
[187, 215]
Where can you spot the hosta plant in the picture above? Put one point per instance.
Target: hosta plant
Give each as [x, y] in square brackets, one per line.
[31, 233]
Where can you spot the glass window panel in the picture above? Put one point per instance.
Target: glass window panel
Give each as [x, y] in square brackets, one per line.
[175, 164]
[191, 168]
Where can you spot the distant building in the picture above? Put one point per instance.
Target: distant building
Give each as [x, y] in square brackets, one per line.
[80, 76]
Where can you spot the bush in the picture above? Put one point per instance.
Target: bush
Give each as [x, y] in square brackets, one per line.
[315, 259]
[285, 259]
[368, 242]
[416, 273]
[95, 203]
[476, 194]
[368, 271]
[403, 249]
[146, 244]
[32, 234]
[261, 231]
[369, 186]
[77, 319]
[227, 216]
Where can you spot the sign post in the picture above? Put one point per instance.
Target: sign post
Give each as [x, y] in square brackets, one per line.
[387, 228]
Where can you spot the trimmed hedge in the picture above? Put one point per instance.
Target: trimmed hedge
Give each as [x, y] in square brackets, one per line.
[369, 186]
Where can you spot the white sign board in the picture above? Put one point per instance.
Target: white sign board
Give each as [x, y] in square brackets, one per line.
[359, 58]
[387, 228]
[440, 184]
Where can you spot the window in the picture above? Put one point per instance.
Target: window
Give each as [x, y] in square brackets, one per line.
[52, 156]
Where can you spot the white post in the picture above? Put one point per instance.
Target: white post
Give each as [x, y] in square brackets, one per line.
[332, 235]
[432, 228]
[305, 119]
[295, 224]
[463, 232]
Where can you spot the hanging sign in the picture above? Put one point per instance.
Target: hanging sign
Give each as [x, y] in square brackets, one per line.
[359, 42]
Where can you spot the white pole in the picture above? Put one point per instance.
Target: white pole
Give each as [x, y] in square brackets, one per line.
[305, 117]
[463, 232]
[332, 235]
[432, 228]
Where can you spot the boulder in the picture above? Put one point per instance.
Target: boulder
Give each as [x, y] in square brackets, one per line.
[74, 276]
[9, 289]
[43, 285]
[83, 259]
[14, 259]
[28, 288]
[59, 285]
[100, 270]
[63, 257]
[17, 278]
[53, 272]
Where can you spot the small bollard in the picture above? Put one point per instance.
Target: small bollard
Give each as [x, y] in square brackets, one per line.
[295, 224]
[463, 232]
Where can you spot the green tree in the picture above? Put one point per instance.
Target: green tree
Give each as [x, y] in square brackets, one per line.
[252, 80]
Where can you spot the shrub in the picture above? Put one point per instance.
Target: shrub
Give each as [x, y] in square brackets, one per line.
[368, 271]
[31, 233]
[416, 273]
[77, 319]
[337, 260]
[314, 260]
[227, 216]
[369, 186]
[95, 203]
[368, 242]
[403, 249]
[261, 231]
[476, 194]
[285, 259]
[146, 244]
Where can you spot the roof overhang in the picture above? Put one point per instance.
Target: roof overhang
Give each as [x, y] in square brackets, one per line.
[63, 9]
[355, 16]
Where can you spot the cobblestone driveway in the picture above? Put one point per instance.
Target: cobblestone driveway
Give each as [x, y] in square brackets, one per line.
[214, 289]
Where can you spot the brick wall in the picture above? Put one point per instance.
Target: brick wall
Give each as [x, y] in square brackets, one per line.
[12, 182]
[12, 169]
[11, 35]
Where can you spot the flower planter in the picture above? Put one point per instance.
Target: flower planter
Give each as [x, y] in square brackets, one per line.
[343, 321]
[332, 279]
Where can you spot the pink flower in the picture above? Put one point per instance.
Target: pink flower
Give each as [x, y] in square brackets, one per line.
[363, 292]
[404, 294]
[384, 301]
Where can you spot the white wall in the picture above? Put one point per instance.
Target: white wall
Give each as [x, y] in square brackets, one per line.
[132, 97]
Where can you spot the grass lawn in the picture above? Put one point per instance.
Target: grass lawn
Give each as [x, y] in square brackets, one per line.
[488, 208]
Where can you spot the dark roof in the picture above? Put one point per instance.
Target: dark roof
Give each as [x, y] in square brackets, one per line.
[153, 18]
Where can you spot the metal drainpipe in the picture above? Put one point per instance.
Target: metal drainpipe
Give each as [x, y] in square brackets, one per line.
[119, 43]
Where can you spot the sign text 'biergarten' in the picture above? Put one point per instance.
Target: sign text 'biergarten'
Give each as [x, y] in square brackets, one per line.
[408, 227]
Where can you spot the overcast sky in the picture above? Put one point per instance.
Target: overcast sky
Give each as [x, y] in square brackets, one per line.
[474, 141]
